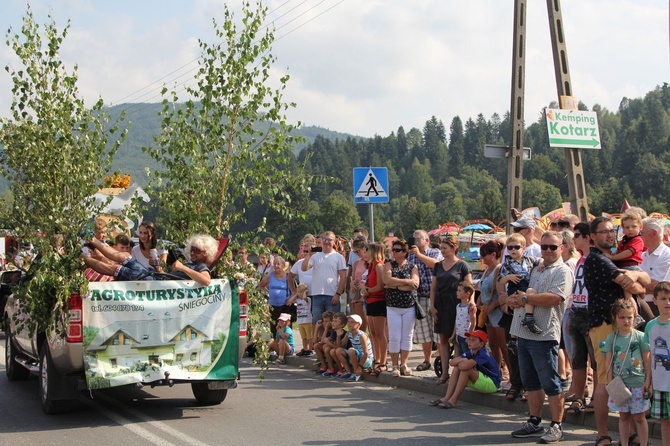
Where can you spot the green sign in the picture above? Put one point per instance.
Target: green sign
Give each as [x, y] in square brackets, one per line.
[573, 129]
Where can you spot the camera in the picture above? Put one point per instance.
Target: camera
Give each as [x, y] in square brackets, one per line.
[316, 249]
[411, 241]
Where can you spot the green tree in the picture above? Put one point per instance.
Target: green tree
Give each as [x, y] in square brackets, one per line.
[229, 146]
[338, 214]
[56, 153]
[541, 194]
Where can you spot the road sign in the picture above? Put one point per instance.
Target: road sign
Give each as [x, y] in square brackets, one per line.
[498, 151]
[371, 185]
[574, 129]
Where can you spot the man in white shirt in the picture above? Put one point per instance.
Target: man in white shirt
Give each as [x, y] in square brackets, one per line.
[329, 276]
[656, 259]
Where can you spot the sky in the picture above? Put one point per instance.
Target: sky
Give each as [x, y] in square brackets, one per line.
[366, 67]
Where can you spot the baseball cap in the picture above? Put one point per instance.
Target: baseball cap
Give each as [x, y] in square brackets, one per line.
[284, 317]
[356, 318]
[524, 222]
[478, 334]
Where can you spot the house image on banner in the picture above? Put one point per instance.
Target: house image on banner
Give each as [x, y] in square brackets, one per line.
[160, 342]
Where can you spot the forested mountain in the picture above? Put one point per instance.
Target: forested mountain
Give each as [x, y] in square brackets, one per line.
[438, 174]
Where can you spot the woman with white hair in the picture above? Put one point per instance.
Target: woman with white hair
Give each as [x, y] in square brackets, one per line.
[200, 254]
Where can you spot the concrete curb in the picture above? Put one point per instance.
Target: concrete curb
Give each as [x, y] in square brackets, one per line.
[495, 400]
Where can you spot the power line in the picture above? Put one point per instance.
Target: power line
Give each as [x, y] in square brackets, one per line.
[153, 95]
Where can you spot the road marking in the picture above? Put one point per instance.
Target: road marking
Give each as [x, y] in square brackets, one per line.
[184, 439]
[128, 424]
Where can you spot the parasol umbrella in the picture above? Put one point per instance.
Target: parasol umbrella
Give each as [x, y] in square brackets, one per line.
[476, 227]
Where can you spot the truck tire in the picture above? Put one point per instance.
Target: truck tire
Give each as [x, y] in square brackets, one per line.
[206, 396]
[49, 381]
[14, 371]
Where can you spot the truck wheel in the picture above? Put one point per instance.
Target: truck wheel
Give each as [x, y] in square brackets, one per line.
[14, 371]
[206, 396]
[49, 381]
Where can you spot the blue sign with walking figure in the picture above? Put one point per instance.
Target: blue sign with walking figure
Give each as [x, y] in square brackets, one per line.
[371, 185]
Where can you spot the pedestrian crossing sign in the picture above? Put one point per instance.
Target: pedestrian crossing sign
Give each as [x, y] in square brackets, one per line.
[371, 185]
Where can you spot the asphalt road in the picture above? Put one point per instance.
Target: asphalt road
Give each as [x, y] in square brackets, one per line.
[291, 406]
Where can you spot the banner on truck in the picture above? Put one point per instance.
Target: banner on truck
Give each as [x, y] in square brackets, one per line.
[143, 332]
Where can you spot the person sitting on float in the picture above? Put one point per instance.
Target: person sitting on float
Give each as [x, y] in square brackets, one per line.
[200, 252]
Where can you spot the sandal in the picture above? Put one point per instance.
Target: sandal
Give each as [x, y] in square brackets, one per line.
[632, 440]
[599, 440]
[512, 393]
[576, 407]
[405, 371]
[435, 402]
[446, 405]
[423, 366]
[524, 397]
[396, 371]
[589, 408]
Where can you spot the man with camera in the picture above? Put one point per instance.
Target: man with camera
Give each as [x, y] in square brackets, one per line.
[329, 276]
[425, 258]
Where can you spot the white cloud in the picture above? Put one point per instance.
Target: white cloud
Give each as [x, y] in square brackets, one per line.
[367, 67]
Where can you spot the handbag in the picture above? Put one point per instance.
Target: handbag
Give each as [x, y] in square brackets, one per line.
[483, 317]
[616, 388]
[418, 309]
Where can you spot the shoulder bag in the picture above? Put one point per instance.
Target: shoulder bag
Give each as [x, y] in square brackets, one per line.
[616, 388]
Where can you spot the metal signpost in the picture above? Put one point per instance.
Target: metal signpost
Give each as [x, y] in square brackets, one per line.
[371, 185]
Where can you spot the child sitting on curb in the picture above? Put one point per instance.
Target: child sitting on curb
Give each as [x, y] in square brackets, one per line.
[359, 355]
[474, 369]
[283, 343]
[324, 330]
[340, 340]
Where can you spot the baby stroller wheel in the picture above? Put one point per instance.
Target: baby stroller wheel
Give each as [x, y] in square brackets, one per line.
[437, 366]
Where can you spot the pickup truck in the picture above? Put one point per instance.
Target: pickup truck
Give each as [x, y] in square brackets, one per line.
[156, 333]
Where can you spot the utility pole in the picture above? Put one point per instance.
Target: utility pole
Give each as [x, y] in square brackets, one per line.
[515, 157]
[573, 157]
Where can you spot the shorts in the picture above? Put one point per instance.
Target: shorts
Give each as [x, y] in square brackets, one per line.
[423, 328]
[637, 403]
[538, 365]
[305, 331]
[359, 354]
[660, 404]
[377, 309]
[321, 303]
[131, 269]
[581, 344]
[484, 384]
[598, 335]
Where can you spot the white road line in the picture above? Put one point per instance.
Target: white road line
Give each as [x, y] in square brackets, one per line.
[175, 433]
[128, 424]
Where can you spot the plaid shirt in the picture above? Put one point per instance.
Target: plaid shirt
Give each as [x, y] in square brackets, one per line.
[425, 272]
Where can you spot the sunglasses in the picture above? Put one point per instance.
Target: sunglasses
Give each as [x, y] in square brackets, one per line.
[305, 251]
[195, 250]
[516, 229]
[329, 240]
[513, 247]
[397, 250]
[551, 247]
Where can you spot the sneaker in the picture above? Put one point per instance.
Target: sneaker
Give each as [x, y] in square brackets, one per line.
[528, 429]
[531, 325]
[328, 373]
[345, 376]
[553, 434]
[280, 361]
[320, 371]
[301, 353]
[355, 378]
[308, 353]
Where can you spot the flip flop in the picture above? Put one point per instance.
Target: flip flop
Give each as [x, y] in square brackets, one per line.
[446, 405]
[435, 402]
[423, 366]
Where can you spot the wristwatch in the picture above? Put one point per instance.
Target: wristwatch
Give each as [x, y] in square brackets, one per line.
[524, 298]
